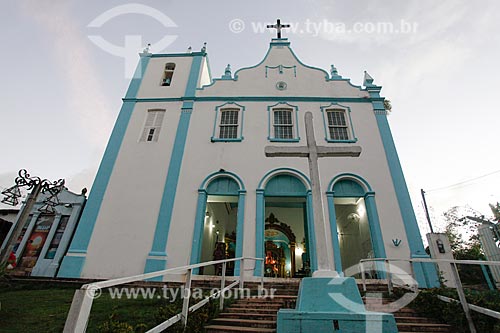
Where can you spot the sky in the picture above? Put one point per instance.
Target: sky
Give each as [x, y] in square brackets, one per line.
[66, 65]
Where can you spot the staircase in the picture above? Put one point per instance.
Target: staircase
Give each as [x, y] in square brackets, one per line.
[256, 314]
[260, 314]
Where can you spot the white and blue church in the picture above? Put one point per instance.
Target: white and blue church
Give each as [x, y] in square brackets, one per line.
[200, 168]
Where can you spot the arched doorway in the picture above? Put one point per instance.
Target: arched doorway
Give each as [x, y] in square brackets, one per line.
[284, 224]
[218, 232]
[354, 222]
[280, 245]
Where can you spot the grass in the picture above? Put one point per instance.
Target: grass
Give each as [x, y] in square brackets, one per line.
[42, 307]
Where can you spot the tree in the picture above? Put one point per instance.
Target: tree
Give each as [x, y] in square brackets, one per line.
[464, 241]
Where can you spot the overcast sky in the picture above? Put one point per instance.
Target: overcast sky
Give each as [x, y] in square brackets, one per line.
[61, 88]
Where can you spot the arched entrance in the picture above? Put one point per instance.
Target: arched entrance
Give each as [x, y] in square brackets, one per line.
[280, 248]
[218, 232]
[354, 222]
[284, 225]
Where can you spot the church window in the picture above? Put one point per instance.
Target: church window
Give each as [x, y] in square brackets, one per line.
[283, 123]
[337, 125]
[168, 73]
[228, 128]
[152, 127]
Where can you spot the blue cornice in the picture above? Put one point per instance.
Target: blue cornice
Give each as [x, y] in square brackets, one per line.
[319, 99]
[169, 55]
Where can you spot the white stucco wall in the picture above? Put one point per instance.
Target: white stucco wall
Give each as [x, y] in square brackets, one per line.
[125, 226]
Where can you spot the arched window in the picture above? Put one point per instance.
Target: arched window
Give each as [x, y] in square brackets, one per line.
[168, 73]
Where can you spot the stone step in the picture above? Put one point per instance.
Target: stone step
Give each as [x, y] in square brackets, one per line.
[259, 301]
[245, 322]
[222, 328]
[420, 327]
[415, 320]
[251, 310]
[243, 315]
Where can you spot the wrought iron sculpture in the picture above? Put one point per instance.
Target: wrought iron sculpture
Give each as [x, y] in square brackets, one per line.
[25, 180]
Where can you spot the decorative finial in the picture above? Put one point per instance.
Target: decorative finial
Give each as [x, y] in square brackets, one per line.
[190, 49]
[334, 74]
[204, 48]
[227, 73]
[278, 26]
[333, 70]
[368, 80]
[146, 50]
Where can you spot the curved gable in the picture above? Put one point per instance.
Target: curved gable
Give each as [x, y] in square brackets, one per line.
[279, 65]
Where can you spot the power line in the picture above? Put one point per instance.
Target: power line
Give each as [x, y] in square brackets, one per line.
[463, 182]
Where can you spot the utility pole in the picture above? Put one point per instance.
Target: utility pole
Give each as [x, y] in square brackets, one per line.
[426, 210]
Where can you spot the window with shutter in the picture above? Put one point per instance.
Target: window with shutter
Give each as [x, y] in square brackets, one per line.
[152, 126]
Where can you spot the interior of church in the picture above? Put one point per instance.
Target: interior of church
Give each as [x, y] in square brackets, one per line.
[219, 233]
[353, 231]
[286, 238]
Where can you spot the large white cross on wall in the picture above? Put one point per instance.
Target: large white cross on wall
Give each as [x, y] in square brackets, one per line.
[324, 249]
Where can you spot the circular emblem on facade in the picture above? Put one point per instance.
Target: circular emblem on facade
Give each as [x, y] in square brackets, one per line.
[281, 85]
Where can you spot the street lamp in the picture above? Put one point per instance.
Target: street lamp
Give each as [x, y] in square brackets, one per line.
[12, 195]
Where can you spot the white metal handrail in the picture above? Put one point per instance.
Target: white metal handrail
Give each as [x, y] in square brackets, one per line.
[456, 277]
[78, 315]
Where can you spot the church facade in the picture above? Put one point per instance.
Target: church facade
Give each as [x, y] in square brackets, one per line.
[185, 177]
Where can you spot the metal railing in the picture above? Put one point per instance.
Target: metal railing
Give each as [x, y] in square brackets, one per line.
[456, 279]
[78, 315]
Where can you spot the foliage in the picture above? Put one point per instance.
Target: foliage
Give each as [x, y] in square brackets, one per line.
[495, 209]
[387, 105]
[196, 320]
[465, 247]
[42, 307]
[429, 305]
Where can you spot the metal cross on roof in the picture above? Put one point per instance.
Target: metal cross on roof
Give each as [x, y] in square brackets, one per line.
[278, 26]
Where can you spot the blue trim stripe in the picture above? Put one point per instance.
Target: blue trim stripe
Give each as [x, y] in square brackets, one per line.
[319, 99]
[410, 222]
[170, 189]
[72, 266]
[333, 230]
[426, 274]
[312, 233]
[259, 230]
[136, 81]
[174, 169]
[198, 228]
[239, 231]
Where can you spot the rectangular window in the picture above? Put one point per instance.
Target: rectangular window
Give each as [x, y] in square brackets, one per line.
[228, 128]
[283, 124]
[337, 125]
[152, 126]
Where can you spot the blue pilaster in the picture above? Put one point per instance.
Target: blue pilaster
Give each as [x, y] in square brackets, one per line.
[72, 264]
[198, 228]
[239, 231]
[312, 233]
[333, 230]
[375, 232]
[259, 230]
[426, 274]
[157, 258]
